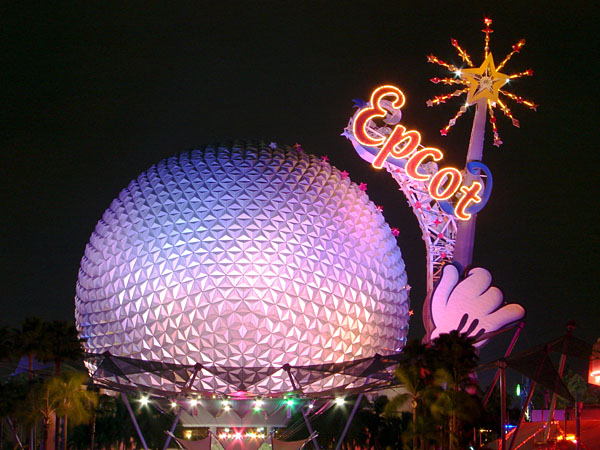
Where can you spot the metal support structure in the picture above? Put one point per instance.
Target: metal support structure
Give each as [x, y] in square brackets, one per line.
[349, 421]
[502, 445]
[13, 430]
[578, 405]
[563, 359]
[133, 419]
[465, 234]
[529, 397]
[506, 355]
[186, 387]
[313, 435]
[561, 368]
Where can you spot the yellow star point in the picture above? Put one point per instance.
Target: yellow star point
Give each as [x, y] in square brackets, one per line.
[484, 81]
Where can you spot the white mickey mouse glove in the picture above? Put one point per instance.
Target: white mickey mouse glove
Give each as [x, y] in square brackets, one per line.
[471, 306]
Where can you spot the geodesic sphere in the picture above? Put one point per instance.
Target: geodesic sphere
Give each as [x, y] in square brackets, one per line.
[242, 257]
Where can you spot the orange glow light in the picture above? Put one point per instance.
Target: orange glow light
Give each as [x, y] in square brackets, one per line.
[376, 110]
[470, 196]
[417, 159]
[455, 178]
[398, 136]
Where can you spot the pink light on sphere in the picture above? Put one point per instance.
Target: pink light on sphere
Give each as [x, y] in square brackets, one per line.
[242, 257]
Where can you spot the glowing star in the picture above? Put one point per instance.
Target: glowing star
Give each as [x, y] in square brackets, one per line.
[484, 82]
[481, 83]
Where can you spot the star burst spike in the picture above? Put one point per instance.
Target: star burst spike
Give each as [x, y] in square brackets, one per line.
[464, 55]
[483, 83]
[516, 49]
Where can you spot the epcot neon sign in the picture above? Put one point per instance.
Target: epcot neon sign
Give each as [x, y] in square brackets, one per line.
[403, 148]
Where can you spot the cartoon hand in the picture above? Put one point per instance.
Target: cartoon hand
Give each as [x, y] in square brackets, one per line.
[471, 306]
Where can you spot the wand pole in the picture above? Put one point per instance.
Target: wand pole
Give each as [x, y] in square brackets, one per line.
[465, 234]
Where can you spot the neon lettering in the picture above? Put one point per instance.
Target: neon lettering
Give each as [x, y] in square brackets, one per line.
[398, 136]
[417, 159]
[451, 176]
[470, 196]
[376, 110]
[402, 143]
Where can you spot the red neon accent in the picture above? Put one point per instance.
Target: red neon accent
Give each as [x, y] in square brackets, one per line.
[417, 159]
[470, 196]
[398, 136]
[455, 178]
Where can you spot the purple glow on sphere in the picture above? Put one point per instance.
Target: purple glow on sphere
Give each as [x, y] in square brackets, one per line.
[242, 257]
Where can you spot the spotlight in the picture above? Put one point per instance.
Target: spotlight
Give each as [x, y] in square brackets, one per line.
[173, 404]
[340, 401]
[193, 402]
[144, 400]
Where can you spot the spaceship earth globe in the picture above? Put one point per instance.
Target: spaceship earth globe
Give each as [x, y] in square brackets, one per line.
[242, 257]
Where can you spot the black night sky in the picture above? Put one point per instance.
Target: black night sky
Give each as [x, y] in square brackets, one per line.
[93, 93]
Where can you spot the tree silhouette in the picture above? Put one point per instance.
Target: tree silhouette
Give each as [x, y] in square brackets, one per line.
[59, 343]
[28, 340]
[455, 360]
[415, 377]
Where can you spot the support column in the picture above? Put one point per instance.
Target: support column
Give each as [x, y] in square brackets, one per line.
[349, 421]
[529, 396]
[133, 419]
[578, 406]
[465, 234]
[186, 387]
[313, 435]
[502, 405]
[561, 368]
[506, 355]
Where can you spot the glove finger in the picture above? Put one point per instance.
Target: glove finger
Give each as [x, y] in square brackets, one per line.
[489, 301]
[506, 315]
[442, 291]
[478, 280]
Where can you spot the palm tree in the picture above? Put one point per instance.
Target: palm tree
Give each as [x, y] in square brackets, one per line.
[13, 393]
[59, 343]
[28, 341]
[41, 403]
[414, 374]
[72, 400]
[455, 359]
[414, 386]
